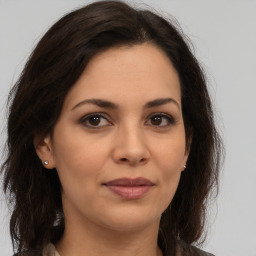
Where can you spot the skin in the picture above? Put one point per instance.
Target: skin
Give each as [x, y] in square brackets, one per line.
[130, 141]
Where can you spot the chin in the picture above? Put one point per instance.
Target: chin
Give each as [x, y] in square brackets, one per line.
[131, 222]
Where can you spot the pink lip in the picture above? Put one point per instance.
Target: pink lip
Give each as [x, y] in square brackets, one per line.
[130, 188]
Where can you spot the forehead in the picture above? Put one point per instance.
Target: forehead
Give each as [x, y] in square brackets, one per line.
[138, 72]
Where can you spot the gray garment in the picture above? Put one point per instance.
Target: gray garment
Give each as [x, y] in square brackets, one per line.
[190, 250]
[50, 250]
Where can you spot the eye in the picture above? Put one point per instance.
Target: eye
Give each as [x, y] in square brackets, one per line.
[160, 120]
[95, 120]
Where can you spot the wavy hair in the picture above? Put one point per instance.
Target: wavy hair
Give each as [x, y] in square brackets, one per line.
[36, 100]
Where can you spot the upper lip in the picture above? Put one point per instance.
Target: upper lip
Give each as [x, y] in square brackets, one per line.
[129, 182]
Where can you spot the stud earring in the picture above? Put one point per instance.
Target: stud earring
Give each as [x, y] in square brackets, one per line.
[46, 162]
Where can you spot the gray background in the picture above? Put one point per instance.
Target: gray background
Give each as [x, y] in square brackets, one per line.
[224, 38]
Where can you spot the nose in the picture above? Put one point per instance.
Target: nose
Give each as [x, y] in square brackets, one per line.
[130, 147]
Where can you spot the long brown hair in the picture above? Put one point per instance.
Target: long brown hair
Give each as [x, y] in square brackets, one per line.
[36, 100]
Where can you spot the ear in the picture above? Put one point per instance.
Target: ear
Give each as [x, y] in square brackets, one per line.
[44, 150]
[187, 151]
[185, 161]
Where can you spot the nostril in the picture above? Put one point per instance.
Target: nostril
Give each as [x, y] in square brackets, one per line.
[127, 160]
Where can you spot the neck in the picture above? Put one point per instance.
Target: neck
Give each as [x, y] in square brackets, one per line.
[94, 240]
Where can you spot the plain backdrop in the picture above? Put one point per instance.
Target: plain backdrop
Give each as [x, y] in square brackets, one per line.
[224, 38]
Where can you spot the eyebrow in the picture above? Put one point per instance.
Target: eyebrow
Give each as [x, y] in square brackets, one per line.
[97, 102]
[159, 102]
[108, 104]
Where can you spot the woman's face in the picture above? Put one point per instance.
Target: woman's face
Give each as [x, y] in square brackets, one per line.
[119, 143]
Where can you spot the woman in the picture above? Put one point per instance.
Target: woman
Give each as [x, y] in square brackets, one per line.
[112, 147]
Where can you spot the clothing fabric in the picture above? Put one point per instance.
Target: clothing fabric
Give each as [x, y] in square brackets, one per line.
[183, 250]
[50, 250]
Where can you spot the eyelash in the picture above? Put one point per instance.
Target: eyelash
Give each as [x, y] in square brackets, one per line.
[84, 120]
[169, 119]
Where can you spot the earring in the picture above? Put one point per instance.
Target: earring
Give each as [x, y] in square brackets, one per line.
[46, 162]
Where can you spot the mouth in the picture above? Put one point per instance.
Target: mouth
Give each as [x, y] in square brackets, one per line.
[130, 188]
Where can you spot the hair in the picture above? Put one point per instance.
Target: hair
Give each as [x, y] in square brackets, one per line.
[36, 100]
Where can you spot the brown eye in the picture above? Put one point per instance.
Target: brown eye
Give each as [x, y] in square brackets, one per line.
[156, 120]
[95, 121]
[160, 120]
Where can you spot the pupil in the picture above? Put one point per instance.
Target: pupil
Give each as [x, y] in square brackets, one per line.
[95, 120]
[156, 120]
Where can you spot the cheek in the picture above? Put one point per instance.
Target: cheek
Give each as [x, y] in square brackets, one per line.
[78, 166]
[170, 155]
[170, 159]
[77, 154]
[169, 179]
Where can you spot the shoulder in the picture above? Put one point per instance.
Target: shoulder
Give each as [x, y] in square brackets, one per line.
[185, 249]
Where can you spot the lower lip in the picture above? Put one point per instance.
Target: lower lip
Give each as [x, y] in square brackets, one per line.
[134, 192]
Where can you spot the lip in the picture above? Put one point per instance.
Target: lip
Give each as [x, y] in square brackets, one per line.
[128, 188]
